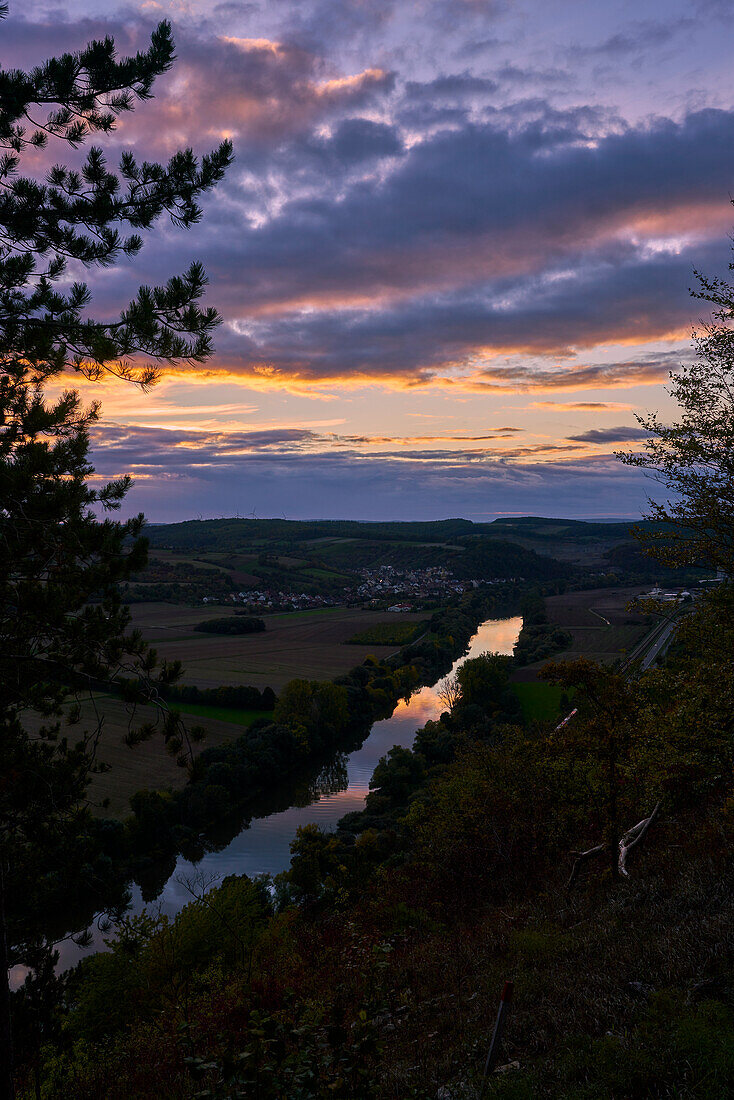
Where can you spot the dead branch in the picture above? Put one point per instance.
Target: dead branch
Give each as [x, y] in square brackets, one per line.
[629, 841]
[634, 837]
[582, 857]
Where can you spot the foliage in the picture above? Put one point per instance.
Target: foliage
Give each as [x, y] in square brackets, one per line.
[451, 881]
[471, 551]
[79, 217]
[538, 643]
[449, 691]
[483, 681]
[310, 719]
[693, 459]
[314, 706]
[675, 1049]
[538, 639]
[62, 625]
[373, 968]
[153, 959]
[226, 695]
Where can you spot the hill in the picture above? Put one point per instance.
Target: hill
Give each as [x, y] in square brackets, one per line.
[333, 559]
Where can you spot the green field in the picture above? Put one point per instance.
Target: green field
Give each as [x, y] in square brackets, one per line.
[388, 633]
[233, 715]
[540, 702]
[148, 764]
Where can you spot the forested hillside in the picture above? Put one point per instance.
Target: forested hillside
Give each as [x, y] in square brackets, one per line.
[220, 557]
[375, 967]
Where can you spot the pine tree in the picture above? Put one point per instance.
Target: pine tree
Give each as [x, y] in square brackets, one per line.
[63, 628]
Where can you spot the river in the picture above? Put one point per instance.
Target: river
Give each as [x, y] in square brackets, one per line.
[263, 847]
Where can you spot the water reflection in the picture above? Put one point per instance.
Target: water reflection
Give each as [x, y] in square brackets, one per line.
[342, 785]
[332, 778]
[264, 847]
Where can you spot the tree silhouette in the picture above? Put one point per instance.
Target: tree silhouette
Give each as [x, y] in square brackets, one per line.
[693, 458]
[63, 628]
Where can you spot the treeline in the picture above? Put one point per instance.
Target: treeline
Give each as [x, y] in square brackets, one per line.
[209, 583]
[538, 639]
[231, 624]
[469, 550]
[311, 720]
[635, 563]
[483, 703]
[241, 697]
[232, 534]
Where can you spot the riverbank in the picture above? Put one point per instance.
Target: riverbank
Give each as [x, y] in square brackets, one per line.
[262, 845]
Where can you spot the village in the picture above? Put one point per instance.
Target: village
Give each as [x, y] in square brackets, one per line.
[384, 587]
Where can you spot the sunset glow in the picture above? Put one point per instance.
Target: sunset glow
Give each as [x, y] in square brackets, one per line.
[453, 256]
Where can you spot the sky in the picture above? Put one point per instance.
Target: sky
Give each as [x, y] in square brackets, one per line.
[453, 256]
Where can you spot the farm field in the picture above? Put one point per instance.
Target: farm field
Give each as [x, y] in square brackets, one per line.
[602, 628]
[308, 644]
[389, 633]
[540, 702]
[233, 715]
[148, 764]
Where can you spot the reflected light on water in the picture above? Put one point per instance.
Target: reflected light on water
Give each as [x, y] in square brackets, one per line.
[264, 846]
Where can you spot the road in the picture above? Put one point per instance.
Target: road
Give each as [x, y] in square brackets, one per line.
[659, 645]
[653, 645]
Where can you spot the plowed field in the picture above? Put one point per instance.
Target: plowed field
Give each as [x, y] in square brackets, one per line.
[307, 644]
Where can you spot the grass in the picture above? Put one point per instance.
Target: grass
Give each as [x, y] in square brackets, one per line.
[387, 633]
[148, 764]
[233, 715]
[540, 702]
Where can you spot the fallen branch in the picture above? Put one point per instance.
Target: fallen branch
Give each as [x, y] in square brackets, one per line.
[582, 857]
[635, 836]
[629, 841]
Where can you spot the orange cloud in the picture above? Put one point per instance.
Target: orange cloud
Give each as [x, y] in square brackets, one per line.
[581, 406]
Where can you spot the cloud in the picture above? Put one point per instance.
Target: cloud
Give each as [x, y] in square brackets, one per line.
[142, 446]
[324, 22]
[452, 86]
[526, 76]
[426, 341]
[255, 88]
[137, 447]
[407, 212]
[637, 38]
[621, 434]
[343, 248]
[469, 243]
[264, 90]
[179, 474]
[632, 372]
[572, 406]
